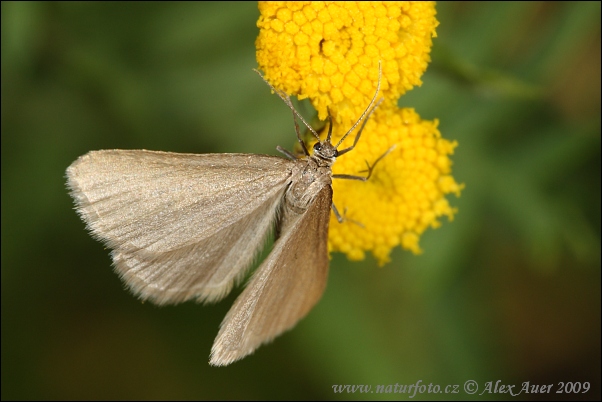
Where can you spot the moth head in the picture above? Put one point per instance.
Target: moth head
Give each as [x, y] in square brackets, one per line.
[325, 150]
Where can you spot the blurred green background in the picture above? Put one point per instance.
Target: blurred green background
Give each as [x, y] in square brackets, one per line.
[509, 291]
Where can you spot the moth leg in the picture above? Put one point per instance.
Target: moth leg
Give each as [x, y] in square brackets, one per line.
[344, 218]
[337, 214]
[370, 169]
[286, 153]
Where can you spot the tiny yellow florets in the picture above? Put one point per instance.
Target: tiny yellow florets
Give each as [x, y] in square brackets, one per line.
[405, 194]
[330, 51]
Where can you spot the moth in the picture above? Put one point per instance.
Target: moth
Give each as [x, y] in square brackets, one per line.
[187, 227]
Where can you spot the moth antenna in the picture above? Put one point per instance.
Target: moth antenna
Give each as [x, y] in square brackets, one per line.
[329, 125]
[286, 99]
[365, 111]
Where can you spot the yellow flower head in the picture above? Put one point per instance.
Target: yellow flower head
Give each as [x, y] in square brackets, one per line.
[329, 51]
[405, 194]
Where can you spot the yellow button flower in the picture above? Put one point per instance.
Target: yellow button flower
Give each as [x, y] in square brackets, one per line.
[331, 52]
[405, 194]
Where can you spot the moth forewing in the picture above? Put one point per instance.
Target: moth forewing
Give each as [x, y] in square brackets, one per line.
[205, 271]
[181, 226]
[284, 288]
